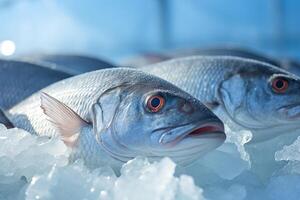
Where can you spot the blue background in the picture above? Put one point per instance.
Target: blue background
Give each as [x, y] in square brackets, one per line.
[116, 29]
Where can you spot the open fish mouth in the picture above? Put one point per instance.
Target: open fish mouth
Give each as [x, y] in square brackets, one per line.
[173, 136]
[206, 129]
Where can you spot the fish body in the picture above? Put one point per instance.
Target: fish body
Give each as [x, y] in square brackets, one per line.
[254, 95]
[19, 80]
[70, 64]
[115, 115]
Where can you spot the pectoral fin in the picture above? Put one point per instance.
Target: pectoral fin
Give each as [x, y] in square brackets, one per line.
[63, 118]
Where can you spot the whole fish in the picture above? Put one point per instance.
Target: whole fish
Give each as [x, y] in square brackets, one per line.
[113, 115]
[254, 95]
[19, 80]
[71, 64]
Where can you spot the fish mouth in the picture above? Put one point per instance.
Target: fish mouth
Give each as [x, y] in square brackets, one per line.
[210, 129]
[206, 129]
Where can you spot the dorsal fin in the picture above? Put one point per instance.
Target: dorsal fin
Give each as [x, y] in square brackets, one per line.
[63, 118]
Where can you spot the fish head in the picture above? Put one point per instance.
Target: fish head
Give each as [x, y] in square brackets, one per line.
[155, 119]
[262, 98]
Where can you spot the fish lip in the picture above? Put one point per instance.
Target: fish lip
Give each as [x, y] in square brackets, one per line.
[198, 130]
[213, 127]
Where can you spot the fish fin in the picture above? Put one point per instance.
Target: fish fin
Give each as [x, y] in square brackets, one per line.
[4, 120]
[63, 118]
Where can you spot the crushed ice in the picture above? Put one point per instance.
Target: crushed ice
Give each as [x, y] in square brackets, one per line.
[34, 167]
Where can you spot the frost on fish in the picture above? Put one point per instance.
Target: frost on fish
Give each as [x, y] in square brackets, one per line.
[37, 168]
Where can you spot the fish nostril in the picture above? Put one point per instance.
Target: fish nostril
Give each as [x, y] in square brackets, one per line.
[186, 107]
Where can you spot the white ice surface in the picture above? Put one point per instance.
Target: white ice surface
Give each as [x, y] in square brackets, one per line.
[34, 167]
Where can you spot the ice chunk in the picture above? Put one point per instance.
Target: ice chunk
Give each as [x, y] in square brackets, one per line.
[263, 156]
[289, 152]
[239, 138]
[139, 180]
[71, 182]
[35, 167]
[23, 155]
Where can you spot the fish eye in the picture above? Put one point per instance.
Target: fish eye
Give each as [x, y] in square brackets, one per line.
[280, 85]
[155, 103]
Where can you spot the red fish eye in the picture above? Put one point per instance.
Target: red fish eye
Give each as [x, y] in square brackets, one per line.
[155, 103]
[280, 85]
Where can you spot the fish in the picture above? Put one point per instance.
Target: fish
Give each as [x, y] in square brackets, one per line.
[68, 63]
[113, 115]
[244, 93]
[19, 80]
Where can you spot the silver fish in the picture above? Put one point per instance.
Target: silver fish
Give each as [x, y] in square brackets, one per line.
[19, 80]
[115, 115]
[70, 64]
[254, 95]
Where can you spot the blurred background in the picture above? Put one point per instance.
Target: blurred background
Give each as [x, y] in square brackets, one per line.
[114, 30]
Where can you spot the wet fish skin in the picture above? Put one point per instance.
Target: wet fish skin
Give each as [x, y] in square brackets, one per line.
[106, 112]
[68, 63]
[238, 90]
[19, 80]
